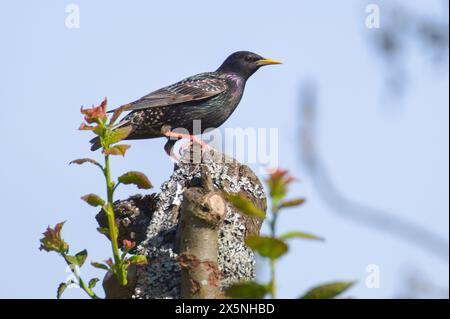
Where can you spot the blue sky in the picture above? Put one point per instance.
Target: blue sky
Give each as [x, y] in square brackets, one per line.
[394, 157]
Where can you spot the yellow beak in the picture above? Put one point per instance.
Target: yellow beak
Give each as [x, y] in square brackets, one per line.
[267, 62]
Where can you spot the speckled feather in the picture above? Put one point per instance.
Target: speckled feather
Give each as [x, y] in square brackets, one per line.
[209, 97]
[213, 96]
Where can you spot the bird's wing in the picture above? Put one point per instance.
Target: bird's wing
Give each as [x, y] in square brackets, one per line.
[191, 89]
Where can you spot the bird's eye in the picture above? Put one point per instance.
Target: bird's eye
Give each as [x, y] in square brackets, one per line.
[249, 59]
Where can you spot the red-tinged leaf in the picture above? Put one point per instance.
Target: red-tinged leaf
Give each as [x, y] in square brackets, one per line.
[117, 113]
[281, 175]
[82, 161]
[292, 202]
[246, 290]
[99, 265]
[278, 182]
[117, 150]
[95, 114]
[269, 247]
[245, 206]
[93, 200]
[328, 291]
[52, 240]
[302, 235]
[109, 262]
[137, 178]
[128, 244]
[104, 103]
[84, 127]
[118, 134]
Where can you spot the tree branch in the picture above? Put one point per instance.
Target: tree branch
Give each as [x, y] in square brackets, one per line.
[202, 212]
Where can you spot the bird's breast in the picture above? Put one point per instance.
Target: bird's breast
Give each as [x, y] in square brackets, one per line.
[220, 108]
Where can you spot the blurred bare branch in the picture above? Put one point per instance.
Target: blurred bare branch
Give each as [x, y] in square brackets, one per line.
[402, 31]
[416, 285]
[383, 221]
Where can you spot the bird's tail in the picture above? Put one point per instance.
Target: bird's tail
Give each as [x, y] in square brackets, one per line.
[95, 143]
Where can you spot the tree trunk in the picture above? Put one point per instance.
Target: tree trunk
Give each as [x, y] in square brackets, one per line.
[193, 239]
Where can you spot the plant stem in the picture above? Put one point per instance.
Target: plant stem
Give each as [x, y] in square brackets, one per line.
[273, 288]
[81, 282]
[273, 223]
[112, 224]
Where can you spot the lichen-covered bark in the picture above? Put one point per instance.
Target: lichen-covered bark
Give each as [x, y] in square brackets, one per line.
[193, 188]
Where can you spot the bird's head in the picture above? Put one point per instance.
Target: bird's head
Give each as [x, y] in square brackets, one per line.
[245, 63]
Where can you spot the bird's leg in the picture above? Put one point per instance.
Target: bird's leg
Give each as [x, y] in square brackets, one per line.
[173, 137]
[192, 138]
[190, 144]
[168, 147]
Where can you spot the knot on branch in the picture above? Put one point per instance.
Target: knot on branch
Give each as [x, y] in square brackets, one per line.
[209, 209]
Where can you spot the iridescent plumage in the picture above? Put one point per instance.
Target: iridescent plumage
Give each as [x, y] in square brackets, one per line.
[209, 97]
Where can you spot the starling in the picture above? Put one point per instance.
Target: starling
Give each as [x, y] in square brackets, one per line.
[210, 97]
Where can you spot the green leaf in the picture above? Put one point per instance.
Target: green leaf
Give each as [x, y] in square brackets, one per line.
[99, 130]
[78, 259]
[103, 230]
[62, 286]
[81, 257]
[246, 290]
[269, 247]
[119, 134]
[71, 259]
[99, 265]
[93, 200]
[82, 161]
[245, 206]
[298, 234]
[93, 282]
[136, 178]
[138, 260]
[328, 291]
[292, 202]
[120, 149]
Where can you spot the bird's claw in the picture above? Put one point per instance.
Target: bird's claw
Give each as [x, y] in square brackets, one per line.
[190, 145]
